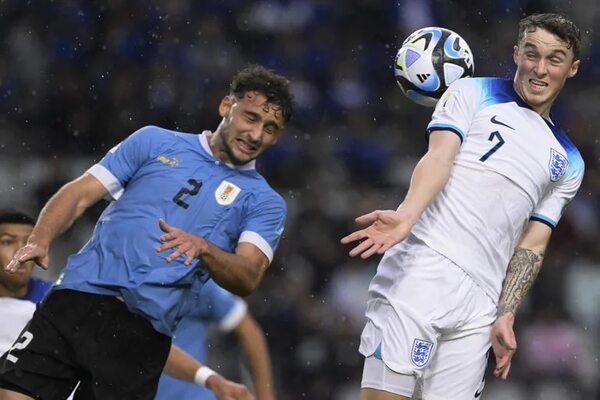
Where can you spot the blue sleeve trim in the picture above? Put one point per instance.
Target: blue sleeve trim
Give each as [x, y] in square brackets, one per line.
[441, 127]
[543, 219]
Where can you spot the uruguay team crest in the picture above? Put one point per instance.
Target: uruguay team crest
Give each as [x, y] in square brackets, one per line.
[226, 193]
[558, 165]
[421, 351]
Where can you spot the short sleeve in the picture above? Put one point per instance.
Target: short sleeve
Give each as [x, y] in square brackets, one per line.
[265, 223]
[551, 208]
[456, 108]
[121, 162]
[223, 307]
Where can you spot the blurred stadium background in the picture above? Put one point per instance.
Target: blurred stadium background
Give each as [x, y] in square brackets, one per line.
[76, 77]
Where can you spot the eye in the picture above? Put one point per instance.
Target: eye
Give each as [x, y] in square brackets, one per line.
[7, 242]
[270, 130]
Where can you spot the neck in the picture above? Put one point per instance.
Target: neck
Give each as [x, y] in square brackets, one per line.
[543, 110]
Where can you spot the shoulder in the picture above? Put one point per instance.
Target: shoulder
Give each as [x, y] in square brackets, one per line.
[158, 134]
[151, 136]
[264, 194]
[576, 164]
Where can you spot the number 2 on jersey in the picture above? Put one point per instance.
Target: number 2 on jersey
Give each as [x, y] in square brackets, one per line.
[493, 135]
[196, 185]
[25, 338]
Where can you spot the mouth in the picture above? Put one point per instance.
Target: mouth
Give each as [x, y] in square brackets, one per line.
[537, 84]
[246, 147]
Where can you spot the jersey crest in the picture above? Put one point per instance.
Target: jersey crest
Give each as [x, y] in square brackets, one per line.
[421, 351]
[558, 165]
[226, 193]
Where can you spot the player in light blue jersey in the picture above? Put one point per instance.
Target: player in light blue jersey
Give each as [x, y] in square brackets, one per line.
[466, 244]
[185, 207]
[214, 305]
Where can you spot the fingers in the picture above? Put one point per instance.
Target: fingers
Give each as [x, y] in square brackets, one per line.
[367, 218]
[362, 246]
[183, 247]
[501, 371]
[505, 373]
[358, 235]
[12, 266]
[164, 226]
[23, 256]
[44, 262]
[169, 244]
[372, 250]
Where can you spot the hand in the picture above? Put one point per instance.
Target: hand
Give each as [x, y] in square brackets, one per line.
[227, 390]
[387, 228]
[27, 253]
[190, 245]
[504, 344]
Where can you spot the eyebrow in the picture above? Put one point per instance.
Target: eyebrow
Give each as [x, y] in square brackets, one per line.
[534, 47]
[8, 234]
[268, 122]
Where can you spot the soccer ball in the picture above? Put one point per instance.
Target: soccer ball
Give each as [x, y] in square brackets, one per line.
[429, 60]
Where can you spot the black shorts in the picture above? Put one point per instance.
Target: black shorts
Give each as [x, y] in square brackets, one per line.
[76, 336]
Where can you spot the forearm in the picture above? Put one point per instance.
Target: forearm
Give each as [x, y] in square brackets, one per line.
[59, 213]
[429, 177]
[257, 352]
[181, 365]
[232, 271]
[522, 271]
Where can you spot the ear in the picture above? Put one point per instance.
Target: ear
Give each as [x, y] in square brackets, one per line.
[516, 54]
[225, 106]
[574, 68]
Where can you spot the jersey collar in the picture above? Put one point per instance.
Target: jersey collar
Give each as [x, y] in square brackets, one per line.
[203, 138]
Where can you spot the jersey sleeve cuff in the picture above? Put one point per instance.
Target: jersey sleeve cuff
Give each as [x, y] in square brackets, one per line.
[543, 219]
[234, 317]
[108, 180]
[258, 241]
[444, 127]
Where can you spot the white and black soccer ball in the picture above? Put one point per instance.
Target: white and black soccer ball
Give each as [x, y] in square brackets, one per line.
[429, 60]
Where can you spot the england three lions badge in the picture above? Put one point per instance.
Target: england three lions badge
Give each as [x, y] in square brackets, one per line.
[421, 352]
[226, 193]
[558, 165]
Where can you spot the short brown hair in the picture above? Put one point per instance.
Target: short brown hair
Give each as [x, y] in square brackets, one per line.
[274, 87]
[558, 24]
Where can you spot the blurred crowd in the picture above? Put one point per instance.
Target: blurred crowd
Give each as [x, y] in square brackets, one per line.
[76, 77]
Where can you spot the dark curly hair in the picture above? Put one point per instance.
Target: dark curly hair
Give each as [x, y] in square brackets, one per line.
[15, 217]
[558, 24]
[274, 87]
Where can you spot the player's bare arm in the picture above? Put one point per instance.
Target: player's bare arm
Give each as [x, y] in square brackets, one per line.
[181, 365]
[63, 208]
[240, 273]
[522, 271]
[254, 342]
[386, 228]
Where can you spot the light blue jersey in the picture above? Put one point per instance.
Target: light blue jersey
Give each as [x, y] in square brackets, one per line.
[212, 304]
[156, 173]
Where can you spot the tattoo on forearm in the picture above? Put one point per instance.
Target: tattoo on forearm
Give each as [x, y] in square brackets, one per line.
[522, 270]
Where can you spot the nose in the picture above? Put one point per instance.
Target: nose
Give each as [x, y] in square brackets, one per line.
[540, 67]
[256, 132]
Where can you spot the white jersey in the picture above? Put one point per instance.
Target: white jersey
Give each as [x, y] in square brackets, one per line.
[14, 314]
[513, 166]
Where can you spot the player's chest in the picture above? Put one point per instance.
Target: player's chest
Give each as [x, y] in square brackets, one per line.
[198, 186]
[517, 145]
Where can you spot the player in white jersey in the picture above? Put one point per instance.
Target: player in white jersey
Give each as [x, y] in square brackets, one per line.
[467, 242]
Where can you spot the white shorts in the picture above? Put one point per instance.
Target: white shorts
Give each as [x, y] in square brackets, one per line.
[429, 323]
